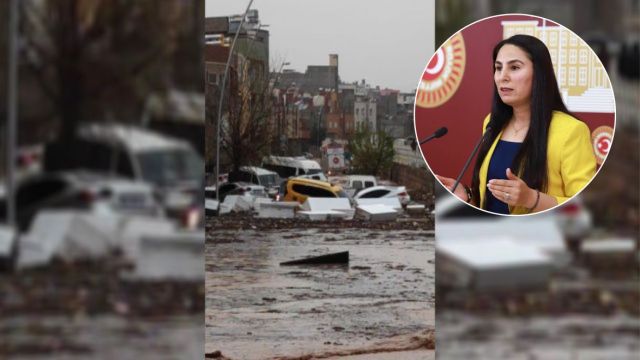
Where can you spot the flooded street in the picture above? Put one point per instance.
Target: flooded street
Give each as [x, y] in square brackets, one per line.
[101, 337]
[570, 336]
[382, 301]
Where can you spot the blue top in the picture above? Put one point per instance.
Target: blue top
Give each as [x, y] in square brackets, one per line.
[502, 159]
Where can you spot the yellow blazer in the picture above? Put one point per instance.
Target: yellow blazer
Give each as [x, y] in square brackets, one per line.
[571, 163]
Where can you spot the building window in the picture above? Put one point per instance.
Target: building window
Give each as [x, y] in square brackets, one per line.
[573, 53]
[582, 76]
[583, 56]
[573, 41]
[554, 39]
[563, 39]
[562, 76]
[572, 76]
[563, 57]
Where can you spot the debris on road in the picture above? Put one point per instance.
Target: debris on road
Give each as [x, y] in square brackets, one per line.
[64, 234]
[464, 263]
[335, 258]
[393, 203]
[377, 212]
[177, 256]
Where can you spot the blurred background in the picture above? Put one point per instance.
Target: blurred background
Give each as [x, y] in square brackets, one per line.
[102, 119]
[564, 284]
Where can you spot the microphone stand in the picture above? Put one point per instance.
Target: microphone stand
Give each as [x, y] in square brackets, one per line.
[466, 165]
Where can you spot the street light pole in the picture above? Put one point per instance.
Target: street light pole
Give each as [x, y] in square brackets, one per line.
[222, 88]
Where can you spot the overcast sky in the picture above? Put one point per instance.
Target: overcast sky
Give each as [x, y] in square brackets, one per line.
[388, 43]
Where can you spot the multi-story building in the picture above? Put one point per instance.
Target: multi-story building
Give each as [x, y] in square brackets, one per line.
[583, 81]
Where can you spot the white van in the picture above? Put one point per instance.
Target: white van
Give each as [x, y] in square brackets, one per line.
[170, 165]
[287, 167]
[257, 175]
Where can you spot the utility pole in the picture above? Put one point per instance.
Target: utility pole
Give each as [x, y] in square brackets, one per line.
[222, 88]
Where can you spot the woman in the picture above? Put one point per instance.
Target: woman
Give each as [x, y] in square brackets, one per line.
[535, 155]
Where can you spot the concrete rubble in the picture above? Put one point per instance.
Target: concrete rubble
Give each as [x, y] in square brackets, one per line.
[7, 240]
[177, 256]
[63, 234]
[278, 210]
[543, 235]
[509, 265]
[415, 209]
[377, 212]
[237, 203]
[326, 208]
[154, 246]
[610, 255]
[390, 202]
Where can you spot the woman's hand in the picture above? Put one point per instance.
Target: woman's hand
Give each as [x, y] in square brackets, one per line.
[512, 191]
[448, 183]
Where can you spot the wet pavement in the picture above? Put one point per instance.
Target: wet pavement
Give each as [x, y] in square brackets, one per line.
[382, 301]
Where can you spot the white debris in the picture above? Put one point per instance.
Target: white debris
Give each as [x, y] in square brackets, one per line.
[281, 210]
[610, 246]
[68, 235]
[324, 215]
[491, 264]
[392, 202]
[176, 256]
[314, 215]
[7, 240]
[543, 234]
[211, 205]
[377, 212]
[345, 214]
[326, 204]
[136, 228]
[416, 209]
[238, 203]
[259, 201]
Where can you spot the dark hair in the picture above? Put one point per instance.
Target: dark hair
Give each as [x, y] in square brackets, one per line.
[531, 161]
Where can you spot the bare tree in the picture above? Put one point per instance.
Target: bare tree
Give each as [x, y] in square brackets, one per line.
[94, 58]
[247, 130]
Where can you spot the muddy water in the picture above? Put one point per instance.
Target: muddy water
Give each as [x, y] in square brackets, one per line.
[100, 337]
[257, 309]
[570, 336]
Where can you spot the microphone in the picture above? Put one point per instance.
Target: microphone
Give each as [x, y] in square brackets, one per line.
[473, 153]
[439, 133]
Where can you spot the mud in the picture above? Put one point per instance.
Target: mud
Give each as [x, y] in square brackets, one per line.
[256, 309]
[570, 336]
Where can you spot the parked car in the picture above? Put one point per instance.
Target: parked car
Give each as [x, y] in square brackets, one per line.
[91, 191]
[259, 176]
[287, 166]
[380, 191]
[236, 188]
[299, 189]
[172, 166]
[359, 182]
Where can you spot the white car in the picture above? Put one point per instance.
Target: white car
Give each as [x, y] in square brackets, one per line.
[376, 192]
[82, 190]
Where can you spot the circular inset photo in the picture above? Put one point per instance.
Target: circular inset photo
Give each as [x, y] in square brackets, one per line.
[514, 114]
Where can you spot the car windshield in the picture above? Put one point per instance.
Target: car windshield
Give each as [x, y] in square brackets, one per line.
[268, 180]
[171, 167]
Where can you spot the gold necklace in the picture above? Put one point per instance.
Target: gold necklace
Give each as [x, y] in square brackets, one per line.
[518, 130]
